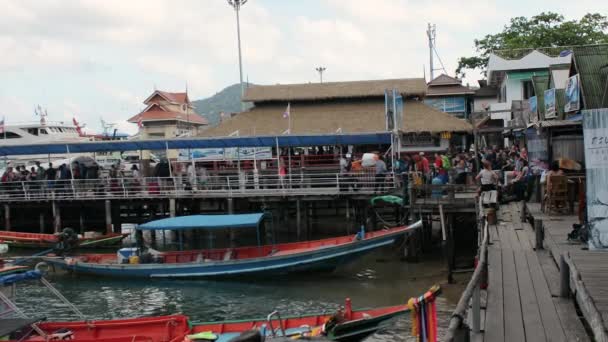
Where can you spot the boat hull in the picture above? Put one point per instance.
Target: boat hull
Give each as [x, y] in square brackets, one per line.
[324, 258]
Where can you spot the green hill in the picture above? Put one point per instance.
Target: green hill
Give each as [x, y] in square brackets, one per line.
[228, 100]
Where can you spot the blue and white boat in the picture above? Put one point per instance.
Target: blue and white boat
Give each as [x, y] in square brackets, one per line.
[325, 254]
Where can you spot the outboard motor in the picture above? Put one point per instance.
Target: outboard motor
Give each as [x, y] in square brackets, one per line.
[67, 240]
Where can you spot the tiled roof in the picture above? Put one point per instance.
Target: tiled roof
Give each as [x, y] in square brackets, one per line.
[444, 79]
[175, 98]
[333, 90]
[448, 90]
[357, 116]
[161, 115]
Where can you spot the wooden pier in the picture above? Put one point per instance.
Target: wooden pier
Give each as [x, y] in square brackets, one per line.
[522, 300]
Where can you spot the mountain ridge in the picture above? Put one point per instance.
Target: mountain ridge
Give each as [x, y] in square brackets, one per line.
[228, 100]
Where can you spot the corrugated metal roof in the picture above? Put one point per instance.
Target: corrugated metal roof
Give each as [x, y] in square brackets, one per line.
[592, 65]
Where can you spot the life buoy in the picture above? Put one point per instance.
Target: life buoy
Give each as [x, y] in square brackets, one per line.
[42, 267]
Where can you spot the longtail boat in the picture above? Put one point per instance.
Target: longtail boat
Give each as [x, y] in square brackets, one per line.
[36, 240]
[324, 254]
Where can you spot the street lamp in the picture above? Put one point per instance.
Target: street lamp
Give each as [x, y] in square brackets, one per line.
[236, 4]
[320, 71]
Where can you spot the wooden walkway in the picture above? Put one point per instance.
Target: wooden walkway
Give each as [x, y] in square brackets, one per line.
[589, 281]
[521, 300]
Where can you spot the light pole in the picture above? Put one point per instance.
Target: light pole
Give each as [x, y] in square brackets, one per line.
[236, 4]
[320, 71]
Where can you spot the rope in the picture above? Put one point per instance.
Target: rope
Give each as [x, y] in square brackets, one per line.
[63, 299]
[424, 316]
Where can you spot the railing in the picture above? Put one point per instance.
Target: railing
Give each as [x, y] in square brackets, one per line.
[471, 293]
[432, 193]
[235, 185]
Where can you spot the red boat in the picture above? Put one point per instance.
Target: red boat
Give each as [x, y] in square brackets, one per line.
[150, 329]
[36, 240]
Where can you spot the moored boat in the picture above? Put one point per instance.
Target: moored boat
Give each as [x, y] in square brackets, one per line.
[324, 254]
[37, 240]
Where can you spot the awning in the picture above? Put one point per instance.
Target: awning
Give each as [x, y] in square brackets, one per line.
[204, 222]
[185, 143]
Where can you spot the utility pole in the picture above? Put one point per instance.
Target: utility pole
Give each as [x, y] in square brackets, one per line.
[236, 4]
[320, 70]
[430, 33]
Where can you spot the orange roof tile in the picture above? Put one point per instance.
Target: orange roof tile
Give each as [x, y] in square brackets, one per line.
[160, 115]
[177, 98]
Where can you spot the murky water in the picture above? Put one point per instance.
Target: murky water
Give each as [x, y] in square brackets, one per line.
[378, 279]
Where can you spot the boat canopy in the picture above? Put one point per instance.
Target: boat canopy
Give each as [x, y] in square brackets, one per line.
[205, 222]
[203, 142]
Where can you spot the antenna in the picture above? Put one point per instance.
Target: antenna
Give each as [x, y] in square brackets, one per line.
[431, 33]
[320, 70]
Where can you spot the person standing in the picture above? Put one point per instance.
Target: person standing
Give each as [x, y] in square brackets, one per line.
[380, 174]
[487, 177]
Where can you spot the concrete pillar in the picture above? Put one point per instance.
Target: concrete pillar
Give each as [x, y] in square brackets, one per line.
[172, 207]
[41, 220]
[7, 217]
[108, 207]
[56, 217]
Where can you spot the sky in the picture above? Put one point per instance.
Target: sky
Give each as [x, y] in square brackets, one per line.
[94, 59]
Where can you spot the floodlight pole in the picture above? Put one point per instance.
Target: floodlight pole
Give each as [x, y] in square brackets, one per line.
[320, 70]
[236, 4]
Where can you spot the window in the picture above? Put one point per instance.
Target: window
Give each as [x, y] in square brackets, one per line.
[9, 135]
[32, 131]
[502, 94]
[528, 89]
[43, 131]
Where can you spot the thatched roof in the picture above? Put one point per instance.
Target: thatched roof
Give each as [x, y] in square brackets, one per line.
[358, 116]
[334, 90]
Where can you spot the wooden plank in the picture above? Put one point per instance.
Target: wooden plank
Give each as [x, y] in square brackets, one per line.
[523, 240]
[548, 313]
[514, 326]
[495, 329]
[533, 324]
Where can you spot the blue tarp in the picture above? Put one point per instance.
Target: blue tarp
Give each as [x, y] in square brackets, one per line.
[204, 222]
[184, 143]
[17, 277]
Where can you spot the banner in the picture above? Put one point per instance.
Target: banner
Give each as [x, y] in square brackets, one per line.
[550, 111]
[595, 133]
[573, 99]
[398, 110]
[232, 153]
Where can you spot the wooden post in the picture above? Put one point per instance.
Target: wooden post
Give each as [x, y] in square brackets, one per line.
[230, 207]
[81, 220]
[7, 217]
[564, 272]
[451, 252]
[523, 211]
[539, 233]
[41, 221]
[108, 205]
[298, 220]
[56, 217]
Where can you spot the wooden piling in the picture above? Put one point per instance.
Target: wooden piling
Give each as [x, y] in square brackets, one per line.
[172, 207]
[108, 205]
[7, 217]
[298, 220]
[56, 217]
[41, 222]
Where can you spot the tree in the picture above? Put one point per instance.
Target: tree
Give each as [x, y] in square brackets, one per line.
[546, 30]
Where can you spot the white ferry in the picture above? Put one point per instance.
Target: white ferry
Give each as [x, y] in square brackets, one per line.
[39, 133]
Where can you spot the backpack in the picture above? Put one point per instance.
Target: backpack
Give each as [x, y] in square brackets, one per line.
[446, 163]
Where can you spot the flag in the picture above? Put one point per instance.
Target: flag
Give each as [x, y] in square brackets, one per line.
[140, 121]
[287, 111]
[2, 126]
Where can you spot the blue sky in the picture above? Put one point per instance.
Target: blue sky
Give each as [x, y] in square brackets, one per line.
[93, 59]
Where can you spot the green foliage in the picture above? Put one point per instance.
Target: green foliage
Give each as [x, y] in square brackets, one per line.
[545, 30]
[228, 100]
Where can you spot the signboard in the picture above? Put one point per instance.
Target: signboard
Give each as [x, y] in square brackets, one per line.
[533, 106]
[573, 99]
[398, 110]
[232, 153]
[452, 104]
[595, 134]
[550, 108]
